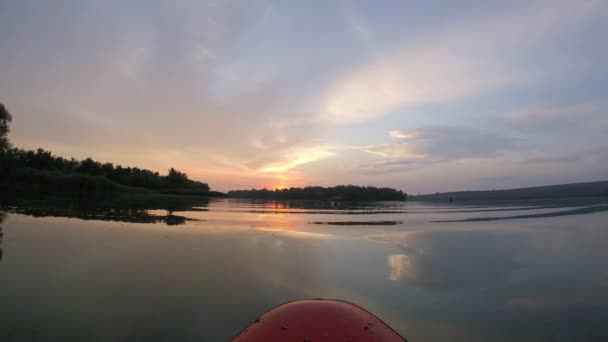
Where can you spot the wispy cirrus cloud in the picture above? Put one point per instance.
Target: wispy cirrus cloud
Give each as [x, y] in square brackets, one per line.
[462, 62]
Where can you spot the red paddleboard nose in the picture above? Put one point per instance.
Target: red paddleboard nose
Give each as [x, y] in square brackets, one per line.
[318, 320]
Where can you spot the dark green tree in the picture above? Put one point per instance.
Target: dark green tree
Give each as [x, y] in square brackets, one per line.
[5, 120]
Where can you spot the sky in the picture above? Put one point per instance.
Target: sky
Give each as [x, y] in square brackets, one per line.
[423, 96]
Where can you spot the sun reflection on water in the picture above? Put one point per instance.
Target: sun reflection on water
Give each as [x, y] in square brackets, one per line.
[400, 266]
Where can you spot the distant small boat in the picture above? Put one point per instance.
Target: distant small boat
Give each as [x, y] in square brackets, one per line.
[318, 320]
[335, 204]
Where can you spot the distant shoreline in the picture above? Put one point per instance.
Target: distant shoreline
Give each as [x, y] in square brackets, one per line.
[559, 191]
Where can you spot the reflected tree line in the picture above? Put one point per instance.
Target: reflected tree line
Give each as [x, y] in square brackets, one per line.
[2, 216]
[118, 210]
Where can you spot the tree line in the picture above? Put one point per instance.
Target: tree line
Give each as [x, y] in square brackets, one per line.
[337, 193]
[14, 161]
[42, 169]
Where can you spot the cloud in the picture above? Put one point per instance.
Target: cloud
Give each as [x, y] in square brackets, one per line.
[399, 135]
[409, 78]
[465, 61]
[393, 151]
[296, 158]
[431, 145]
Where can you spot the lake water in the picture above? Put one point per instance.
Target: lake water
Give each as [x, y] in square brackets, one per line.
[201, 270]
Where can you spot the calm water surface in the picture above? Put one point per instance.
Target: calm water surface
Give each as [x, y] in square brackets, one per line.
[201, 270]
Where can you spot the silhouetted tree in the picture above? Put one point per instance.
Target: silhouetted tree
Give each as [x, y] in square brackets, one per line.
[5, 120]
[175, 178]
[90, 167]
[43, 169]
[340, 192]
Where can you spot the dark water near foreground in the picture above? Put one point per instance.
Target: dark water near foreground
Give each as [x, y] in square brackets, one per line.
[199, 270]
